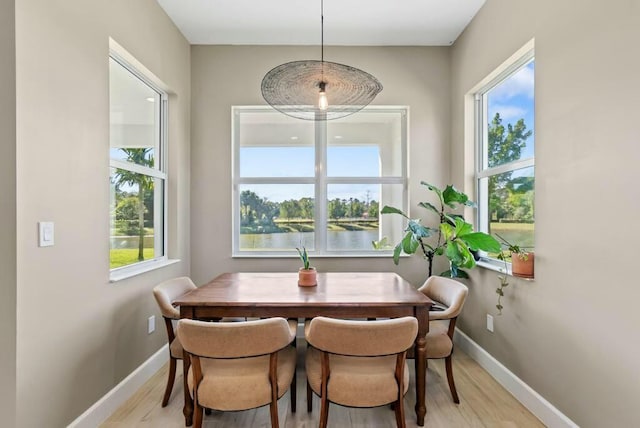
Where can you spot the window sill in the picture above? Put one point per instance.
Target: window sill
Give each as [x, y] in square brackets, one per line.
[121, 274]
[498, 266]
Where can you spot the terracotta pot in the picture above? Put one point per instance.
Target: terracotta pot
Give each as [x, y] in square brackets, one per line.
[307, 277]
[522, 268]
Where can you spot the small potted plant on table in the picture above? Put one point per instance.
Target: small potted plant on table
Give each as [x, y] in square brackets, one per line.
[307, 273]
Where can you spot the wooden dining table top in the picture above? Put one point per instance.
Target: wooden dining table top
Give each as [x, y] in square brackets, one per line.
[282, 289]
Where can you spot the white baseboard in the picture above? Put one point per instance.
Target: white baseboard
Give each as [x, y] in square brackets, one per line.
[104, 407]
[541, 408]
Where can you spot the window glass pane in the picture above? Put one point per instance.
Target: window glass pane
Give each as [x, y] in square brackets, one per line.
[275, 145]
[511, 206]
[367, 144]
[510, 119]
[353, 216]
[134, 117]
[135, 218]
[276, 217]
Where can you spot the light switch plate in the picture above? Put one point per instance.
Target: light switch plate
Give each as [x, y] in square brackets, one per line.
[45, 233]
[490, 323]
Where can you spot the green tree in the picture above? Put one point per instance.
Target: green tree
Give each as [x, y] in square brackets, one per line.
[374, 209]
[337, 209]
[306, 208]
[504, 145]
[144, 183]
[290, 209]
[126, 215]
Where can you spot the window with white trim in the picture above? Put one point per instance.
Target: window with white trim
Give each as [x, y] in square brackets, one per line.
[137, 118]
[318, 184]
[505, 172]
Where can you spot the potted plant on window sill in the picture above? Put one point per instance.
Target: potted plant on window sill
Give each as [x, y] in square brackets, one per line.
[306, 274]
[452, 236]
[522, 262]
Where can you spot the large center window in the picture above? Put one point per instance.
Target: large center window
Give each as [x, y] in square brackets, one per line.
[317, 184]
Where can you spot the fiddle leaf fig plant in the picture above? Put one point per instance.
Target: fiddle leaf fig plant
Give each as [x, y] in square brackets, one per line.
[451, 236]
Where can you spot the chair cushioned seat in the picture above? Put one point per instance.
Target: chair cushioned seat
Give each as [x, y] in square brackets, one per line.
[356, 381]
[438, 343]
[243, 383]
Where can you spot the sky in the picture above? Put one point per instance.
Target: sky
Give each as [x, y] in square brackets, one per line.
[342, 161]
[514, 100]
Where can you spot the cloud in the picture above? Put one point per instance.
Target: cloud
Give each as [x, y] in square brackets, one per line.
[521, 83]
[508, 113]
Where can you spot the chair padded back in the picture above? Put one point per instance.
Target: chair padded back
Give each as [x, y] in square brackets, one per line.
[234, 339]
[167, 291]
[447, 291]
[362, 338]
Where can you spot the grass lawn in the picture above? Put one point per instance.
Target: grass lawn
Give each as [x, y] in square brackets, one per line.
[126, 256]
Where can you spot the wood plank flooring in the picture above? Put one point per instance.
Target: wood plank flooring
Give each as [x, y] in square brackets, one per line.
[483, 403]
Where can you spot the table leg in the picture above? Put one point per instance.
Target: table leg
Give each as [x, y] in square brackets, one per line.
[422, 314]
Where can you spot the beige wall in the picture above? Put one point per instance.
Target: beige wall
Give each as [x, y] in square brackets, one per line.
[79, 335]
[8, 212]
[572, 334]
[223, 76]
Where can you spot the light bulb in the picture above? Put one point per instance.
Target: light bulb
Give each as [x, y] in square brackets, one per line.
[323, 104]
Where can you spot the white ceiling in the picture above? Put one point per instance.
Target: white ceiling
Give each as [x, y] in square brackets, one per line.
[346, 22]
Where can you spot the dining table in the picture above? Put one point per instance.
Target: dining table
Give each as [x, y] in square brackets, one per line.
[337, 294]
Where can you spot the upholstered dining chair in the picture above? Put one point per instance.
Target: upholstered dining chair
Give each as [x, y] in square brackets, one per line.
[449, 296]
[359, 363]
[239, 365]
[165, 294]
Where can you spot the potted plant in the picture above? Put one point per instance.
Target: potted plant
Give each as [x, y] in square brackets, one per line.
[451, 236]
[522, 262]
[307, 273]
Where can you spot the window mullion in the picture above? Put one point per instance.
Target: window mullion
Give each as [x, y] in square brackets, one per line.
[320, 227]
[511, 166]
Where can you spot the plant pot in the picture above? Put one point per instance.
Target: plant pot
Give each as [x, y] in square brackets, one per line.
[523, 268]
[307, 277]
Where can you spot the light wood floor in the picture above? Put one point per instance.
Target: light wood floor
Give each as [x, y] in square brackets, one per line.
[483, 403]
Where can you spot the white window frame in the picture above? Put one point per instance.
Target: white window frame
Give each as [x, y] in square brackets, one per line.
[320, 181]
[158, 172]
[506, 70]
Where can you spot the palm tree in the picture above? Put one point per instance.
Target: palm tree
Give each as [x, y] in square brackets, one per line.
[138, 156]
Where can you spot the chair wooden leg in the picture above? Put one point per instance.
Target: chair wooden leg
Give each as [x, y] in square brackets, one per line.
[197, 415]
[399, 408]
[273, 408]
[170, 380]
[309, 398]
[452, 385]
[294, 388]
[324, 411]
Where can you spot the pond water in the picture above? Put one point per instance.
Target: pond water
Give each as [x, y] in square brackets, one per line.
[353, 240]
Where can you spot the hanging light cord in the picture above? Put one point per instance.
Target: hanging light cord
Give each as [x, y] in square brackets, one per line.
[322, 30]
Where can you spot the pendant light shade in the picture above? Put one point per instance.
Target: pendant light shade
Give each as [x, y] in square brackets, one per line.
[318, 90]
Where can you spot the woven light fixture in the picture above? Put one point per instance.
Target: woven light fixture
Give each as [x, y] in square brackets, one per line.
[319, 90]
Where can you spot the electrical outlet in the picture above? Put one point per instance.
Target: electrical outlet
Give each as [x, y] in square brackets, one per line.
[490, 323]
[151, 324]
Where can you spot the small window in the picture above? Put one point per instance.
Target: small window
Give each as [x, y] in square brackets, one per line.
[317, 184]
[505, 154]
[137, 167]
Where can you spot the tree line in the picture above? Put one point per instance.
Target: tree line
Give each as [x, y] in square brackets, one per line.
[258, 214]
